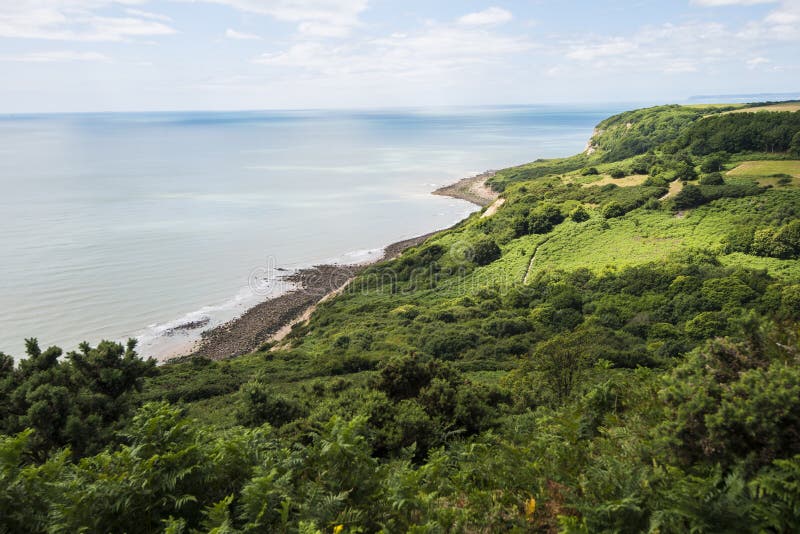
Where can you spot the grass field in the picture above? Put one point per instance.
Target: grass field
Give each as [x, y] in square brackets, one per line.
[783, 106]
[763, 171]
[699, 106]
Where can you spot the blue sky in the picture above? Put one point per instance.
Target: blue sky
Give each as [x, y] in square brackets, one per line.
[98, 55]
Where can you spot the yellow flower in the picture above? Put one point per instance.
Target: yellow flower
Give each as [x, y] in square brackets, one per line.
[530, 508]
[338, 529]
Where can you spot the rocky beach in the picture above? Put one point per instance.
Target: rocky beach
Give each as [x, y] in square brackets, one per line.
[269, 321]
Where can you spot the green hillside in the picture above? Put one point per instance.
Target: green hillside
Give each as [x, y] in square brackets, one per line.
[615, 349]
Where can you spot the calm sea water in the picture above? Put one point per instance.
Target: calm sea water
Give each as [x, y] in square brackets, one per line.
[119, 225]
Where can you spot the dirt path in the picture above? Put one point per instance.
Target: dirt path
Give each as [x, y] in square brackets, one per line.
[533, 259]
[491, 210]
[675, 187]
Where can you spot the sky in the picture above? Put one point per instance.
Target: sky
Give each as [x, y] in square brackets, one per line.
[136, 55]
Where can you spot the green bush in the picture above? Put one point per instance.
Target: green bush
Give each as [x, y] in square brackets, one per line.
[543, 219]
[259, 404]
[794, 146]
[685, 172]
[713, 178]
[485, 251]
[579, 214]
[707, 325]
[713, 163]
[689, 197]
[612, 210]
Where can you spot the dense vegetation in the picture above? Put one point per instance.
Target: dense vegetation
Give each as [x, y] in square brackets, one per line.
[615, 349]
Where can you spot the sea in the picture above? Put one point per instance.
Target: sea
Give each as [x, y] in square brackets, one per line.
[135, 225]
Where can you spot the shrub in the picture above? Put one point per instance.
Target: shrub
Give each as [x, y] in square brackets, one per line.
[260, 404]
[713, 163]
[485, 251]
[722, 292]
[404, 377]
[591, 171]
[790, 301]
[652, 204]
[689, 197]
[613, 209]
[713, 178]
[783, 243]
[544, 219]
[507, 327]
[685, 172]
[788, 238]
[794, 146]
[707, 325]
[740, 239]
[342, 342]
[450, 343]
[617, 173]
[579, 214]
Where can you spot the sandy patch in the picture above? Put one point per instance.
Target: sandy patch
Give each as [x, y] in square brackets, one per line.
[675, 187]
[628, 181]
[493, 208]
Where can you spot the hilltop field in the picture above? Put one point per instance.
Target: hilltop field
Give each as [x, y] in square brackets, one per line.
[612, 346]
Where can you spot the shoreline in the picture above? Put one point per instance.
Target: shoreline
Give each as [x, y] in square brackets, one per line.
[270, 321]
[472, 189]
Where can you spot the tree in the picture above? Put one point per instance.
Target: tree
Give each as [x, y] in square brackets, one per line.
[579, 214]
[713, 178]
[788, 239]
[713, 163]
[561, 363]
[544, 218]
[485, 251]
[612, 210]
[689, 197]
[685, 172]
[794, 147]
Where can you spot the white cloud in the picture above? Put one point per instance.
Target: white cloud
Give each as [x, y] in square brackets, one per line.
[755, 62]
[328, 18]
[241, 36]
[487, 17]
[74, 20]
[148, 15]
[435, 51]
[56, 56]
[591, 51]
[780, 24]
[717, 3]
[668, 48]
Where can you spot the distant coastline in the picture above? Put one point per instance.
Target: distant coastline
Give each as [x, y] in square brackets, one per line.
[269, 322]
